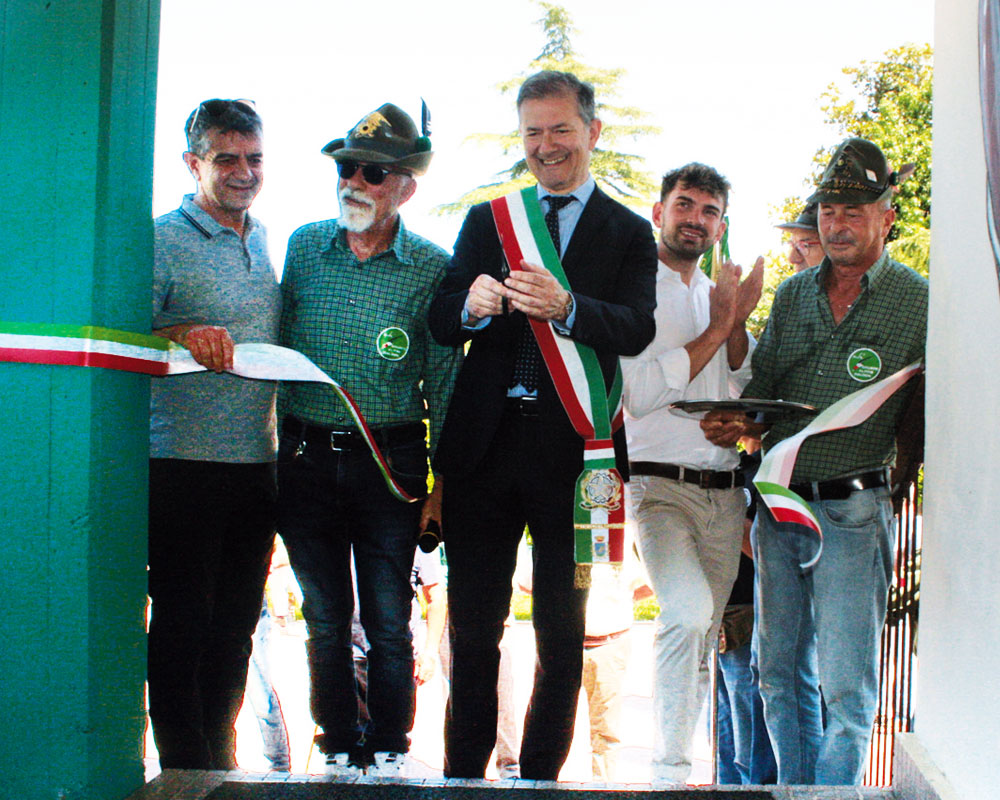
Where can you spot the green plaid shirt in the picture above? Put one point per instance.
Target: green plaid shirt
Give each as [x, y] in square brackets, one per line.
[803, 356]
[365, 324]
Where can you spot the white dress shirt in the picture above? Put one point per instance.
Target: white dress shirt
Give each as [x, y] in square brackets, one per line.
[659, 376]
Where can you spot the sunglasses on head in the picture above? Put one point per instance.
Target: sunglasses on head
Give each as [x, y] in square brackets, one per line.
[215, 108]
[372, 173]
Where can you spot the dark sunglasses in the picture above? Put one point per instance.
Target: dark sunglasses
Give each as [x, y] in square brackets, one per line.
[215, 108]
[372, 173]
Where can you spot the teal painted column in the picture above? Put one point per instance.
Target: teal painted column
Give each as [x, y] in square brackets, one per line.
[77, 104]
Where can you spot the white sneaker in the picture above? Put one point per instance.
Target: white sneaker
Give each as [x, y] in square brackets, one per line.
[663, 785]
[340, 765]
[388, 765]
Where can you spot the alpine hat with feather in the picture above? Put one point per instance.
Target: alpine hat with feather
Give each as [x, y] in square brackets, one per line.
[386, 136]
[858, 174]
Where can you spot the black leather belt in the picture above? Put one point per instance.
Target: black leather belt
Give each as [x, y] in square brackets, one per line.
[597, 641]
[351, 439]
[523, 406]
[704, 478]
[841, 488]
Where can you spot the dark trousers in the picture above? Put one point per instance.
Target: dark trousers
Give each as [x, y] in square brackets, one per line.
[484, 517]
[211, 531]
[335, 503]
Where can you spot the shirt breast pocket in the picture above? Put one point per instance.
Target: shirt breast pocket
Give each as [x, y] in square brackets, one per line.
[795, 350]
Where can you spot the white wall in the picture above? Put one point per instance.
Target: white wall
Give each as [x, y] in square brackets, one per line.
[959, 639]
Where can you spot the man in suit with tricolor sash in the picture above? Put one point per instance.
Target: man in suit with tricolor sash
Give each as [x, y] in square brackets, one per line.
[533, 432]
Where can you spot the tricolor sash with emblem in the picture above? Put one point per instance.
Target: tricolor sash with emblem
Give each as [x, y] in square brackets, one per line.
[593, 409]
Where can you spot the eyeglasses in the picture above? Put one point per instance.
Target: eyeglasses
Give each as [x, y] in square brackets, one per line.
[804, 246]
[215, 108]
[372, 173]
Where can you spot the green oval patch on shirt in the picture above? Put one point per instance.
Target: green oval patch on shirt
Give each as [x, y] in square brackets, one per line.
[864, 365]
[392, 344]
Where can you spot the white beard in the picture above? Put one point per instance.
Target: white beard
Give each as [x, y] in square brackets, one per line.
[356, 219]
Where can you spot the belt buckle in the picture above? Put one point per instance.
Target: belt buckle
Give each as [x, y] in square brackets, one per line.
[344, 440]
[705, 479]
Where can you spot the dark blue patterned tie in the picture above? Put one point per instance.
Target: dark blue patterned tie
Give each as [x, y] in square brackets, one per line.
[528, 360]
[556, 202]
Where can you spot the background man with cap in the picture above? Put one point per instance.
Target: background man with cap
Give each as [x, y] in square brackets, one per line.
[508, 449]
[356, 292]
[804, 247]
[687, 493]
[212, 444]
[858, 318]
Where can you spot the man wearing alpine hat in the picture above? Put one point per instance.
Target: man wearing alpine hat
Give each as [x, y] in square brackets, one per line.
[858, 318]
[804, 248]
[355, 296]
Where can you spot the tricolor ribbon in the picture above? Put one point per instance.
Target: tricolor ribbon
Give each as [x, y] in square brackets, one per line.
[599, 501]
[775, 472]
[91, 346]
[713, 260]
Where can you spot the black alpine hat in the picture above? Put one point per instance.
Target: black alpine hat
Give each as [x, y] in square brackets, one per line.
[857, 174]
[805, 221]
[386, 136]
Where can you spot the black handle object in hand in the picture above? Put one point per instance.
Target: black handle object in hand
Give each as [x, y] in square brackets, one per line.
[504, 272]
[429, 538]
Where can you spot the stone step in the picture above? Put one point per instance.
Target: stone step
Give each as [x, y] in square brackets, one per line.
[239, 785]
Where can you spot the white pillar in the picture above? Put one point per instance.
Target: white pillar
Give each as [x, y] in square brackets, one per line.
[958, 711]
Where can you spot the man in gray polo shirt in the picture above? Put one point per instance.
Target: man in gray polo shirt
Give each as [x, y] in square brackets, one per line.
[212, 488]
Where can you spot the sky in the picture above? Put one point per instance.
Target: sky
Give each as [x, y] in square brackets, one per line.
[732, 83]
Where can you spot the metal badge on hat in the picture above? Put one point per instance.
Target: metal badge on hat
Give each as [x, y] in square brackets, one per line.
[369, 125]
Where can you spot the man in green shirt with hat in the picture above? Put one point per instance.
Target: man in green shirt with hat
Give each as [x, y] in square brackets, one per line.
[858, 318]
[355, 295]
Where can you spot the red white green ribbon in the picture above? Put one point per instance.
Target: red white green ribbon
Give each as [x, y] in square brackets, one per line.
[91, 346]
[599, 505]
[775, 472]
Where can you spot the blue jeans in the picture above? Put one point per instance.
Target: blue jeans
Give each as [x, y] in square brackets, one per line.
[745, 755]
[837, 607]
[264, 699]
[727, 772]
[332, 503]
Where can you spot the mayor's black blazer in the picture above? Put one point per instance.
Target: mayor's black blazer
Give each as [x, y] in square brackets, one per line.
[611, 266]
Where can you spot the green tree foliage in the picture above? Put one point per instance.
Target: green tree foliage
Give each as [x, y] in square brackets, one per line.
[620, 174]
[890, 104]
[776, 268]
